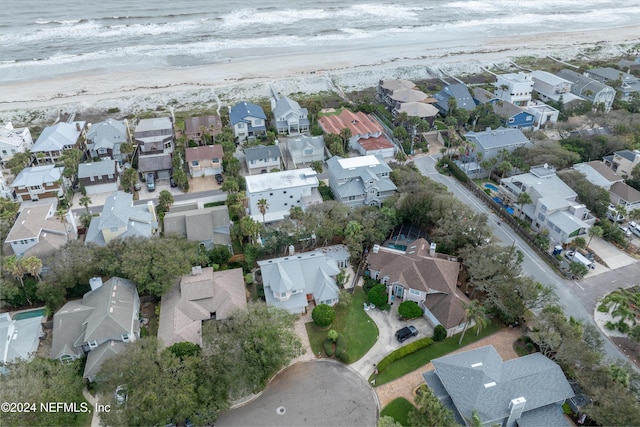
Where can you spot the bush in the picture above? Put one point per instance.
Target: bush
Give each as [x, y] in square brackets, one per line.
[341, 349]
[323, 315]
[378, 295]
[404, 351]
[603, 308]
[368, 284]
[409, 310]
[439, 333]
[455, 170]
[327, 345]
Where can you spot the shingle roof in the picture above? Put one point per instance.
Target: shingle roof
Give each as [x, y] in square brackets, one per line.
[598, 173]
[204, 152]
[106, 134]
[35, 220]
[37, 175]
[56, 137]
[501, 137]
[211, 123]
[285, 105]
[209, 224]
[418, 109]
[20, 338]
[627, 154]
[580, 84]
[154, 162]
[262, 152]
[480, 380]
[101, 168]
[396, 84]
[457, 91]
[242, 110]
[625, 192]
[408, 95]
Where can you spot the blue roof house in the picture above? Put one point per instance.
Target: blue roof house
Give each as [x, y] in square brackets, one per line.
[510, 114]
[457, 91]
[247, 119]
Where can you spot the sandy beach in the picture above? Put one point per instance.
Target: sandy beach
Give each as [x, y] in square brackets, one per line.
[248, 76]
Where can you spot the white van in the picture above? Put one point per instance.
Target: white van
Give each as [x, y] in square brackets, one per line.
[573, 256]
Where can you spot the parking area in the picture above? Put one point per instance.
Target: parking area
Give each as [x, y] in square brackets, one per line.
[612, 256]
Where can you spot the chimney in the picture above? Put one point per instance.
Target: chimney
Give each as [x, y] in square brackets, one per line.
[195, 271]
[95, 283]
[376, 249]
[516, 407]
[432, 250]
[292, 250]
[78, 127]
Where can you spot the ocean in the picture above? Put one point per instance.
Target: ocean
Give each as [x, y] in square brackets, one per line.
[41, 40]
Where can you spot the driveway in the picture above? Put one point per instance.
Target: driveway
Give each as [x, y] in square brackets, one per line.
[313, 393]
[614, 257]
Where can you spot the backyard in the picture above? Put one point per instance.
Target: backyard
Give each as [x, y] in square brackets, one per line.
[398, 409]
[359, 331]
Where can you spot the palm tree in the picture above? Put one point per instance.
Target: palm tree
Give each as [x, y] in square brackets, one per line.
[61, 215]
[263, 206]
[476, 313]
[165, 200]
[523, 199]
[85, 201]
[346, 135]
[596, 230]
[33, 266]
[14, 266]
[126, 148]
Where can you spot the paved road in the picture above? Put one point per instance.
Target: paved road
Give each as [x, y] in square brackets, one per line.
[577, 298]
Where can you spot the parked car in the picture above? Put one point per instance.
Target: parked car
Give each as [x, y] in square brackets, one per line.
[121, 394]
[406, 333]
[172, 182]
[625, 230]
[219, 178]
[137, 186]
[151, 182]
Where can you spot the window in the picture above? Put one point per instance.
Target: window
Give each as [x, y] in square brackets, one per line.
[35, 187]
[511, 120]
[291, 197]
[92, 344]
[195, 163]
[414, 292]
[308, 151]
[543, 208]
[125, 337]
[215, 160]
[352, 197]
[541, 217]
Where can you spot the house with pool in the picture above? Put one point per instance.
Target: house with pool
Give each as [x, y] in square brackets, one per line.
[553, 204]
[489, 144]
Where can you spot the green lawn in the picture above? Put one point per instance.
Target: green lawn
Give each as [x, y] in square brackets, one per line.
[398, 409]
[353, 322]
[421, 357]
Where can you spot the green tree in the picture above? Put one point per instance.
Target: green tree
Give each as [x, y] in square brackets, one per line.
[185, 349]
[429, 411]
[523, 199]
[219, 254]
[578, 269]
[409, 310]
[439, 333]
[230, 185]
[595, 231]
[345, 135]
[475, 313]
[387, 421]
[378, 295]
[70, 159]
[165, 200]
[263, 207]
[323, 315]
[126, 149]
[129, 179]
[317, 166]
[32, 265]
[332, 335]
[14, 266]
[19, 161]
[85, 201]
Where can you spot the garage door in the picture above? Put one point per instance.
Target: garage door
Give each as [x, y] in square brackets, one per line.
[101, 188]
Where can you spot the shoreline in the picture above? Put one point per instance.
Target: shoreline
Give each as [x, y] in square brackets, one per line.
[351, 68]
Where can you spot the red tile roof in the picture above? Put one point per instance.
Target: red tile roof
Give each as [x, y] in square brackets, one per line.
[359, 123]
[375, 143]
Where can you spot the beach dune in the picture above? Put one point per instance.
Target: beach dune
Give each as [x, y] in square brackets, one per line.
[249, 73]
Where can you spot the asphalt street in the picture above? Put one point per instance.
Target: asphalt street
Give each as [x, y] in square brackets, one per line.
[578, 298]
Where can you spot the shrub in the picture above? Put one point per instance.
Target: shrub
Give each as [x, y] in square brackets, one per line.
[327, 345]
[369, 283]
[404, 351]
[409, 310]
[378, 295]
[332, 335]
[323, 315]
[439, 333]
[610, 325]
[622, 326]
[603, 308]
[341, 349]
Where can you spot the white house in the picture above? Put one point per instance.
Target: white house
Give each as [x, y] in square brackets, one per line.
[290, 117]
[282, 190]
[295, 281]
[551, 87]
[514, 88]
[58, 138]
[553, 207]
[12, 141]
[358, 181]
[590, 89]
[247, 119]
[39, 182]
[104, 139]
[306, 149]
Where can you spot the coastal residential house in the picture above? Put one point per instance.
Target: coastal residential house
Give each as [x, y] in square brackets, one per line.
[12, 141]
[629, 84]
[39, 182]
[590, 89]
[458, 92]
[247, 120]
[526, 391]
[421, 275]
[21, 338]
[58, 138]
[622, 162]
[488, 145]
[551, 87]
[622, 194]
[289, 116]
[629, 65]
[202, 129]
[515, 88]
[542, 113]
[306, 149]
[511, 115]
[98, 177]
[598, 174]
[553, 207]
[5, 190]
[282, 190]
[205, 160]
[386, 88]
[367, 135]
[200, 296]
[38, 232]
[263, 158]
[97, 326]
[299, 281]
[359, 181]
[104, 140]
[155, 139]
[120, 218]
[208, 226]
[421, 110]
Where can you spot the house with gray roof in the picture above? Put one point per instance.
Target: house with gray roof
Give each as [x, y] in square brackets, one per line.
[58, 138]
[422, 110]
[622, 194]
[247, 120]
[98, 326]
[120, 219]
[629, 84]
[457, 91]
[590, 89]
[553, 208]
[99, 177]
[37, 231]
[289, 116]
[386, 88]
[421, 275]
[526, 391]
[489, 144]
[209, 226]
[104, 139]
[358, 181]
[39, 182]
[201, 296]
[205, 160]
[282, 191]
[305, 149]
[551, 87]
[295, 281]
[598, 174]
[202, 129]
[263, 158]
[21, 338]
[155, 139]
[622, 162]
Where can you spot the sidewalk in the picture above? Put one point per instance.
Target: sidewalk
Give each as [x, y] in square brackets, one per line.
[95, 419]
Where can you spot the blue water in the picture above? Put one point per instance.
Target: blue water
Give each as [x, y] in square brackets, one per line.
[50, 39]
[29, 314]
[509, 210]
[491, 187]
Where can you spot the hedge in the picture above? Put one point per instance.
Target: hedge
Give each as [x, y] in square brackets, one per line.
[455, 170]
[341, 349]
[404, 351]
[327, 345]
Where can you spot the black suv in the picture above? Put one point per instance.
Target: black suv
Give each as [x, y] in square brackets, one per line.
[219, 178]
[406, 332]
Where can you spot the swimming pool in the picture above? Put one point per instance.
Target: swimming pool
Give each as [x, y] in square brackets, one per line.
[29, 314]
[491, 187]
